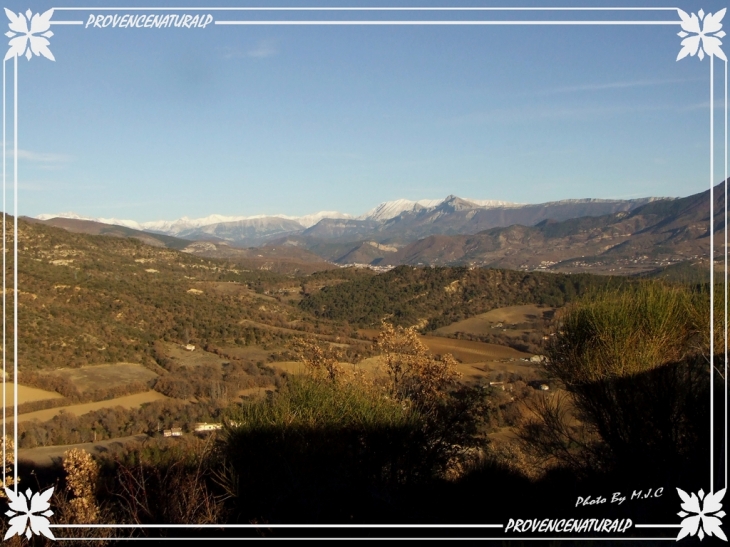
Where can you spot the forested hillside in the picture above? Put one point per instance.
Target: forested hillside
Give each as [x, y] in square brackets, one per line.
[87, 299]
[434, 297]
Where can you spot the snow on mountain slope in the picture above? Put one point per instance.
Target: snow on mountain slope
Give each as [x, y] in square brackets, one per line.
[186, 224]
[383, 212]
[391, 209]
[310, 220]
[489, 203]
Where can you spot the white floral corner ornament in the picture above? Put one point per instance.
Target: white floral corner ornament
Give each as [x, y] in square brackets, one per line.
[27, 40]
[710, 25]
[700, 510]
[25, 520]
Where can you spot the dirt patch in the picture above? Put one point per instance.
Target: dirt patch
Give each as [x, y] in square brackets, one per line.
[290, 367]
[107, 376]
[128, 401]
[231, 288]
[487, 323]
[467, 351]
[27, 394]
[251, 353]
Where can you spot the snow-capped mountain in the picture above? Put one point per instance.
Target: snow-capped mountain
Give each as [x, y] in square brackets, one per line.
[488, 203]
[384, 211]
[310, 220]
[401, 220]
[391, 209]
[186, 224]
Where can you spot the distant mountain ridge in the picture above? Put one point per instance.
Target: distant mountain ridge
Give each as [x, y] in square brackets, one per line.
[576, 235]
[398, 221]
[653, 235]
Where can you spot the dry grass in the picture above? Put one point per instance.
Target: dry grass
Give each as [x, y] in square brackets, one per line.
[191, 358]
[291, 367]
[27, 394]
[622, 333]
[476, 360]
[254, 392]
[8, 447]
[107, 376]
[82, 473]
[467, 351]
[252, 352]
[413, 372]
[483, 323]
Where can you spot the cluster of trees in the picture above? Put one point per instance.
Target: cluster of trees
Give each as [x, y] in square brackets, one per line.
[64, 386]
[210, 381]
[406, 295]
[214, 382]
[110, 423]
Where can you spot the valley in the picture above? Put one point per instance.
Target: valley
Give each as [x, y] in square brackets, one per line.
[112, 326]
[142, 347]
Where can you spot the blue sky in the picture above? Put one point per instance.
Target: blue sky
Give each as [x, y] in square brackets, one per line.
[149, 124]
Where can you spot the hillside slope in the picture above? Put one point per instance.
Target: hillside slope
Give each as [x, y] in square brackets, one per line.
[653, 235]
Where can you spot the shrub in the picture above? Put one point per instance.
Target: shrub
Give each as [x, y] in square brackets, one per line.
[619, 333]
[318, 451]
[634, 364]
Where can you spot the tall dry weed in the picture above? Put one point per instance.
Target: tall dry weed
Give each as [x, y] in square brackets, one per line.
[319, 361]
[82, 474]
[414, 373]
[8, 447]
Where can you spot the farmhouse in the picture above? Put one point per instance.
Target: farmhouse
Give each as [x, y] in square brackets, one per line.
[202, 426]
[174, 432]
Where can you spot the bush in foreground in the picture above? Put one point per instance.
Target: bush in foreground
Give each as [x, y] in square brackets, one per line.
[635, 363]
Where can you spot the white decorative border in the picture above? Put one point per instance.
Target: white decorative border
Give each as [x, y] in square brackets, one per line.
[28, 40]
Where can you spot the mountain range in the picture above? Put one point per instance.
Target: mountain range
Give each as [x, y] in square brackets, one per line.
[400, 221]
[606, 236]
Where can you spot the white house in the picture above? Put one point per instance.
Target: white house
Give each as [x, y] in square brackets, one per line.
[202, 426]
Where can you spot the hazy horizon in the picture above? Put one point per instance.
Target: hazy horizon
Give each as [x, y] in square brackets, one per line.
[320, 212]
